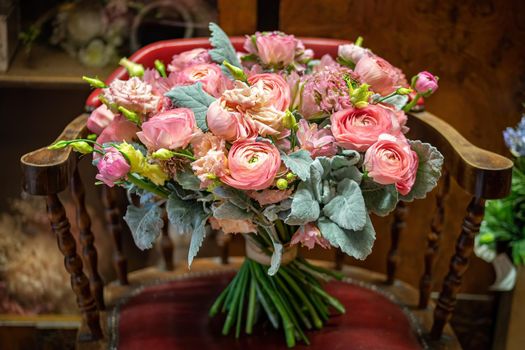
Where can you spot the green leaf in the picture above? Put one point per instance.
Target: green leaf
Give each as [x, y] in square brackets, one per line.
[272, 211]
[188, 180]
[222, 47]
[347, 209]
[194, 98]
[237, 197]
[304, 207]
[145, 224]
[299, 163]
[227, 210]
[379, 199]
[198, 235]
[357, 244]
[428, 172]
[398, 101]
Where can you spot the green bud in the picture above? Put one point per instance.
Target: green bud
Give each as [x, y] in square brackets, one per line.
[360, 96]
[360, 104]
[282, 184]
[59, 145]
[95, 82]
[134, 69]
[162, 154]
[161, 68]
[290, 176]
[211, 176]
[486, 238]
[289, 121]
[131, 116]
[92, 137]
[236, 72]
[403, 91]
[359, 41]
[82, 147]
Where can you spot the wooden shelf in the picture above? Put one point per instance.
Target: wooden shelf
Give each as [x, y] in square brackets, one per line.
[48, 67]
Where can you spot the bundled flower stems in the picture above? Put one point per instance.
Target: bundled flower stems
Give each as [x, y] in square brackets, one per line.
[274, 143]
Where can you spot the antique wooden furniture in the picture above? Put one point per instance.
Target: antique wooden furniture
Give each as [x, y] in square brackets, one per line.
[482, 174]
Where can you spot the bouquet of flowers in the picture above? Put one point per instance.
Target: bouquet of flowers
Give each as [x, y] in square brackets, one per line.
[270, 143]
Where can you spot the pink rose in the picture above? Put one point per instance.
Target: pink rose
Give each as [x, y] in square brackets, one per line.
[171, 129]
[232, 226]
[426, 83]
[382, 77]
[352, 53]
[267, 196]
[309, 235]
[99, 119]
[133, 94]
[358, 129]
[189, 58]
[252, 165]
[210, 75]
[391, 161]
[316, 142]
[273, 48]
[120, 129]
[112, 167]
[228, 123]
[276, 86]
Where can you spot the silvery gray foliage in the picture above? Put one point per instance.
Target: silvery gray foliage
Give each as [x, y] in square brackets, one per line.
[223, 49]
[145, 223]
[194, 98]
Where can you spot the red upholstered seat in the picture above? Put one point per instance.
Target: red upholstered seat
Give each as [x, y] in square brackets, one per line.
[174, 315]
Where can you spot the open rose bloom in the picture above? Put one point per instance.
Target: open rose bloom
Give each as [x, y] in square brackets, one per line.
[286, 150]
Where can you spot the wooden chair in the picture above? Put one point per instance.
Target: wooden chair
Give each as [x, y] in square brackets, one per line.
[484, 175]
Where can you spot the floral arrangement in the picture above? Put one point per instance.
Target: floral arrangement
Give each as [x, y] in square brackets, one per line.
[270, 143]
[504, 221]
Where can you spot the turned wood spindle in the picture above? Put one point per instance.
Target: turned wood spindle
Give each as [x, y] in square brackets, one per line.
[87, 239]
[436, 227]
[73, 263]
[339, 259]
[223, 241]
[396, 229]
[166, 245]
[458, 266]
[115, 228]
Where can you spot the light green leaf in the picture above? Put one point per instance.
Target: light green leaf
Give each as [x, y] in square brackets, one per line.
[227, 210]
[304, 207]
[347, 209]
[379, 199]
[194, 98]
[299, 163]
[145, 224]
[428, 172]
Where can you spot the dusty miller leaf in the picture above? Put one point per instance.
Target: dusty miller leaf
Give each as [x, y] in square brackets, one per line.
[347, 209]
[299, 163]
[145, 224]
[194, 98]
[222, 47]
[227, 210]
[304, 207]
[379, 199]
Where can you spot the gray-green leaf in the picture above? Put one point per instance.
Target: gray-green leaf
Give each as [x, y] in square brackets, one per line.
[145, 224]
[188, 180]
[181, 213]
[227, 210]
[197, 236]
[379, 199]
[304, 207]
[347, 209]
[222, 47]
[237, 197]
[299, 163]
[194, 98]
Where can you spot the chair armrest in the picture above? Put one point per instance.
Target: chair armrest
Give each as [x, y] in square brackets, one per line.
[482, 173]
[47, 171]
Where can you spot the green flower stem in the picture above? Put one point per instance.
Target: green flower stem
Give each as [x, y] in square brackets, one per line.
[218, 302]
[250, 318]
[288, 327]
[330, 299]
[282, 231]
[231, 293]
[302, 262]
[147, 186]
[184, 155]
[293, 302]
[315, 317]
[235, 301]
[269, 308]
[242, 287]
[320, 306]
[412, 103]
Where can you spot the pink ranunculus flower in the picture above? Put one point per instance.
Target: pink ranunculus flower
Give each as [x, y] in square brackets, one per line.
[268, 196]
[316, 142]
[252, 165]
[232, 226]
[391, 161]
[228, 123]
[112, 167]
[309, 235]
[214, 82]
[273, 48]
[276, 86]
[401, 116]
[426, 83]
[189, 58]
[120, 129]
[358, 129]
[382, 77]
[171, 129]
[99, 119]
[351, 52]
[133, 94]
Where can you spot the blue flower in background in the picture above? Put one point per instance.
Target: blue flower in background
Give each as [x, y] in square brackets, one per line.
[515, 138]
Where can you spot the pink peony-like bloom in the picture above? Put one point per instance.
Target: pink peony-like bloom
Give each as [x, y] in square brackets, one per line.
[426, 83]
[358, 129]
[401, 116]
[309, 235]
[272, 48]
[316, 142]
[268, 196]
[133, 94]
[203, 142]
[120, 129]
[112, 167]
[382, 77]
[352, 53]
[252, 165]
[391, 161]
[214, 82]
[232, 226]
[276, 87]
[189, 58]
[228, 123]
[99, 119]
[171, 129]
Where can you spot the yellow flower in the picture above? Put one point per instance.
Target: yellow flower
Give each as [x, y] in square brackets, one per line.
[155, 173]
[136, 159]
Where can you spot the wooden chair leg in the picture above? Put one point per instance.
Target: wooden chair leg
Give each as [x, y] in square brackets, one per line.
[425, 284]
[396, 229]
[458, 266]
[87, 239]
[339, 259]
[166, 245]
[73, 263]
[115, 228]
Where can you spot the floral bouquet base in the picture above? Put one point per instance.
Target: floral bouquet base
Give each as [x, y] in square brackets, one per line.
[292, 298]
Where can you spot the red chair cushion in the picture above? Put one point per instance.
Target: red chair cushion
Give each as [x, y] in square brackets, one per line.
[174, 315]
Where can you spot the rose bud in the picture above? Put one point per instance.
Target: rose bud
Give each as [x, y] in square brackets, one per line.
[425, 83]
[112, 167]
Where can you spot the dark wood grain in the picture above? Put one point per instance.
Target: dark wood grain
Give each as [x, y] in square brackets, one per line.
[425, 284]
[458, 266]
[398, 227]
[87, 239]
[238, 17]
[73, 263]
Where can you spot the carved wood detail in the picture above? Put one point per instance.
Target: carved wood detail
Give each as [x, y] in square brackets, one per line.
[398, 225]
